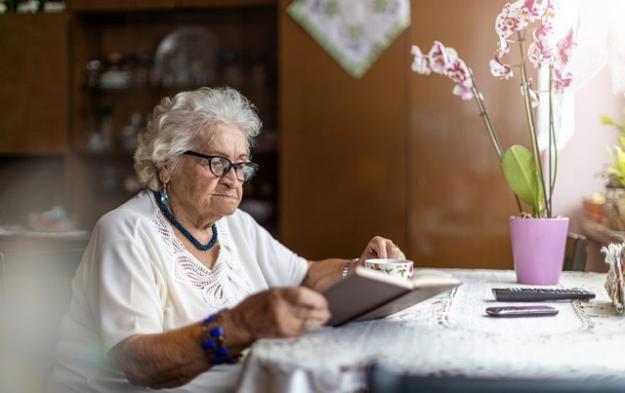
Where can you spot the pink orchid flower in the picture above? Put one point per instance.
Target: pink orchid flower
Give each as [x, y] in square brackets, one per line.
[565, 47]
[510, 20]
[500, 70]
[541, 50]
[457, 71]
[550, 10]
[420, 63]
[539, 54]
[464, 90]
[441, 57]
[444, 61]
[561, 80]
[534, 97]
[514, 17]
[532, 10]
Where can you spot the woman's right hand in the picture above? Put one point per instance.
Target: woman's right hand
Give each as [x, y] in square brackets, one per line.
[279, 312]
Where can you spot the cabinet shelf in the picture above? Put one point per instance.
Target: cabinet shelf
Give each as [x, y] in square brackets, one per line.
[139, 90]
[105, 118]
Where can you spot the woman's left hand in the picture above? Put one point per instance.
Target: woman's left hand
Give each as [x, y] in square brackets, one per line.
[380, 247]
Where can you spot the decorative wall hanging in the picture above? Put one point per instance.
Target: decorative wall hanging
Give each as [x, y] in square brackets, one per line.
[353, 32]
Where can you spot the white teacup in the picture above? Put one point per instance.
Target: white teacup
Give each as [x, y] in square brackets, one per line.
[394, 267]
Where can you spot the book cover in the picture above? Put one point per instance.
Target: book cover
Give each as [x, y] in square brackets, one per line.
[369, 294]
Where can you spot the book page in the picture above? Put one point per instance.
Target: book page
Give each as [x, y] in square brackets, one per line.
[369, 294]
[357, 294]
[402, 302]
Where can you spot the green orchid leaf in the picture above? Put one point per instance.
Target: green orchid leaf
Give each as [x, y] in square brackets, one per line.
[605, 119]
[520, 173]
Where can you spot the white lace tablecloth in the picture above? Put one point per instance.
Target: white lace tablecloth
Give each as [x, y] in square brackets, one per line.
[451, 335]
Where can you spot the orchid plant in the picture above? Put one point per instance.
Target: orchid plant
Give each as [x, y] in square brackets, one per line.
[522, 167]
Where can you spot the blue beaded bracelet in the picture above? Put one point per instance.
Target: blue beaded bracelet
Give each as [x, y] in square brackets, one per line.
[213, 341]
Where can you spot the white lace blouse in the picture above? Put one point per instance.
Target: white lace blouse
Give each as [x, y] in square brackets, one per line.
[136, 277]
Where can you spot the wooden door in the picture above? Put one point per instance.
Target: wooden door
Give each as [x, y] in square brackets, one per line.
[459, 201]
[33, 83]
[342, 147]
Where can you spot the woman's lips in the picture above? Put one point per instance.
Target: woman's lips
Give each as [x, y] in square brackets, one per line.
[225, 196]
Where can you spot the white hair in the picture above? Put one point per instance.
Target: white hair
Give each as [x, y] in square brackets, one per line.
[178, 123]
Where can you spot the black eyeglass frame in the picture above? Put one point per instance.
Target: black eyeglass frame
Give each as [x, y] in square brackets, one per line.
[230, 166]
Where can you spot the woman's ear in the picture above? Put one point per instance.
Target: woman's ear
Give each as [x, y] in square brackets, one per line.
[164, 175]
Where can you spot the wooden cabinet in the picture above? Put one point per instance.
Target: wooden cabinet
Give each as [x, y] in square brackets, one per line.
[121, 69]
[33, 83]
[76, 87]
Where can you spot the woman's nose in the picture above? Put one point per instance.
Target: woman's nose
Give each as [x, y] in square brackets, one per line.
[231, 177]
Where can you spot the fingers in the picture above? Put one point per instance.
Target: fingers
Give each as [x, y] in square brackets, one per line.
[311, 314]
[297, 310]
[308, 306]
[393, 251]
[380, 247]
[377, 247]
[305, 297]
[390, 249]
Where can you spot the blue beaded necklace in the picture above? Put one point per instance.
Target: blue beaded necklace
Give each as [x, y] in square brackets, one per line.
[202, 247]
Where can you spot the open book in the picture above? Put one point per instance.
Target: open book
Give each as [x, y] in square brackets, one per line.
[369, 294]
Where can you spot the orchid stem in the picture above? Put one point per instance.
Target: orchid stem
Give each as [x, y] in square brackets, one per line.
[489, 127]
[531, 123]
[552, 143]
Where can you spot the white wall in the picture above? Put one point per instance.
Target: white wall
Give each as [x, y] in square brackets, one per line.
[583, 159]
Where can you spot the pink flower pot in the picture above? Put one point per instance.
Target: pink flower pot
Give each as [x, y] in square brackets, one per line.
[538, 249]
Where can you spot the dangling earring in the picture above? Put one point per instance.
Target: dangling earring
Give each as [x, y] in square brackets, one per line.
[164, 195]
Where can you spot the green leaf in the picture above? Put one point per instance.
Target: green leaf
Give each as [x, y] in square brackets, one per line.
[520, 172]
[617, 163]
[605, 119]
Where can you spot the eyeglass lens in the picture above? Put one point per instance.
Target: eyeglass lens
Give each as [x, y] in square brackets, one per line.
[220, 166]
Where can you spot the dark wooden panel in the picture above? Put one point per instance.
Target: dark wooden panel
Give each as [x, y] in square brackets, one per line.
[119, 5]
[145, 5]
[33, 83]
[343, 147]
[223, 3]
[459, 201]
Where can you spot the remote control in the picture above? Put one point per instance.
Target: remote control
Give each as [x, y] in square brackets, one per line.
[540, 294]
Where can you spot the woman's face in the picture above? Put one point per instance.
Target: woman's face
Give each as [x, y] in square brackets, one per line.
[194, 189]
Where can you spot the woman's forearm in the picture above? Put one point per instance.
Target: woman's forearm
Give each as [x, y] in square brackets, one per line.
[176, 357]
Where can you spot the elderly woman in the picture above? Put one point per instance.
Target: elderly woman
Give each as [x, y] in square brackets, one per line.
[177, 282]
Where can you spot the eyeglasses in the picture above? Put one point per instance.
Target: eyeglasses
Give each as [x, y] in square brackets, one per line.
[220, 166]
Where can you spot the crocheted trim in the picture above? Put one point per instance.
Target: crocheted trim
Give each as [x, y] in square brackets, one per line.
[223, 285]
